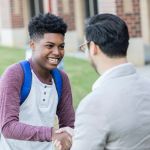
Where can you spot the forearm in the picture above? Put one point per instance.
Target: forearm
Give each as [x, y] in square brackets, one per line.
[9, 117]
[12, 128]
[20, 131]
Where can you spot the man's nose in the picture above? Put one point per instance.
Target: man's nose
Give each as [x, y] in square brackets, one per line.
[56, 50]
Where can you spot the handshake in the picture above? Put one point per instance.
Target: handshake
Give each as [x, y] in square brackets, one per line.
[62, 138]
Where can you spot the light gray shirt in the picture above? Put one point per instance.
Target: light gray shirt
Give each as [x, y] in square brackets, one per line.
[116, 114]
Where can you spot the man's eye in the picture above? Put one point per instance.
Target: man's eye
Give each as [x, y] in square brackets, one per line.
[61, 46]
[49, 46]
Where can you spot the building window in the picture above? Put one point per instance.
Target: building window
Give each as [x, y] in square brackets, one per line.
[36, 7]
[91, 7]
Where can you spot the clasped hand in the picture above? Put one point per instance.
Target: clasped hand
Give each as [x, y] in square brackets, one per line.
[62, 138]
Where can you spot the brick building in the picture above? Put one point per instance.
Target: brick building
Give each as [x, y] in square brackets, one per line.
[15, 15]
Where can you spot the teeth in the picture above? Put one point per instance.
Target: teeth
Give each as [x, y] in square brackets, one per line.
[53, 60]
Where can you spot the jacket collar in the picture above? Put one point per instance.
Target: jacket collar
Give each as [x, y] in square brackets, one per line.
[115, 72]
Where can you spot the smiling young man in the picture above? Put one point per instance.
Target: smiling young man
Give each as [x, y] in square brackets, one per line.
[30, 125]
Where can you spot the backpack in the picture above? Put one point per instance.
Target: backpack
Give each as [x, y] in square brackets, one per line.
[27, 81]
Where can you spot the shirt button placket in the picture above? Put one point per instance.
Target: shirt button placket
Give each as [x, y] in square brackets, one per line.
[44, 99]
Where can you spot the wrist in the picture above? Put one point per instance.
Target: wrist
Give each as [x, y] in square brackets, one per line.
[53, 134]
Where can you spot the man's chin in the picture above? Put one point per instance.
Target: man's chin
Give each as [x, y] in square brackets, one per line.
[52, 66]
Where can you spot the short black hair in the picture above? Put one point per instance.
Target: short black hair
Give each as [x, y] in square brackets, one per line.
[46, 23]
[110, 33]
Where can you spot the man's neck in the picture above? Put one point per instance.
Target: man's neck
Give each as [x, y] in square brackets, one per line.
[109, 63]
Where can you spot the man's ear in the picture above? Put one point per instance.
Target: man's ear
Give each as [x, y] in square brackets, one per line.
[93, 48]
[32, 44]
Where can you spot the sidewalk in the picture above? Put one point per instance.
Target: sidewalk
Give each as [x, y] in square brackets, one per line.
[143, 70]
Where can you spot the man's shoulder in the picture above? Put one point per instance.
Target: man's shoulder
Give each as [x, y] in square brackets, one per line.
[63, 73]
[145, 79]
[65, 77]
[13, 67]
[13, 71]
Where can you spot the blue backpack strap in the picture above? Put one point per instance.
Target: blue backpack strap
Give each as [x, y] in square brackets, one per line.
[26, 85]
[56, 74]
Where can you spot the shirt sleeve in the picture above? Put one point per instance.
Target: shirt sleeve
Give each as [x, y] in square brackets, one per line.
[10, 85]
[90, 131]
[65, 110]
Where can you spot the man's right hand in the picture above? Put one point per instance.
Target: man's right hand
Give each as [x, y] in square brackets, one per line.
[62, 141]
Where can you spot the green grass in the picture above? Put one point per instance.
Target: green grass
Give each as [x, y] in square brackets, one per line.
[81, 76]
[80, 72]
[9, 56]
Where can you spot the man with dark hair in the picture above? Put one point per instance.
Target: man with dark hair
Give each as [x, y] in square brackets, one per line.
[29, 124]
[116, 114]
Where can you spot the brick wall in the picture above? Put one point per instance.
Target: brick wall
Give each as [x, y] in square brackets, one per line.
[132, 18]
[68, 15]
[17, 13]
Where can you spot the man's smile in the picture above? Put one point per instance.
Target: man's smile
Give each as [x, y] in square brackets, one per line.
[53, 60]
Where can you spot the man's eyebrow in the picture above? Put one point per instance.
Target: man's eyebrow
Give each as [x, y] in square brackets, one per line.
[55, 43]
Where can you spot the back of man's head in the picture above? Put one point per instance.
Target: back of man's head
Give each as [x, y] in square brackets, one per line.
[110, 33]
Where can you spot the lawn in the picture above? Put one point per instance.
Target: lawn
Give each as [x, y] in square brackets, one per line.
[80, 72]
[9, 56]
[81, 76]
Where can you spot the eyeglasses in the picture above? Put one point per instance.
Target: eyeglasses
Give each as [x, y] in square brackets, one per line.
[84, 47]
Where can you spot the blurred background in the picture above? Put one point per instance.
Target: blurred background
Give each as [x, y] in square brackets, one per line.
[15, 15]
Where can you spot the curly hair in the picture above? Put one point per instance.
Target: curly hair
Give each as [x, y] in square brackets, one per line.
[46, 23]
